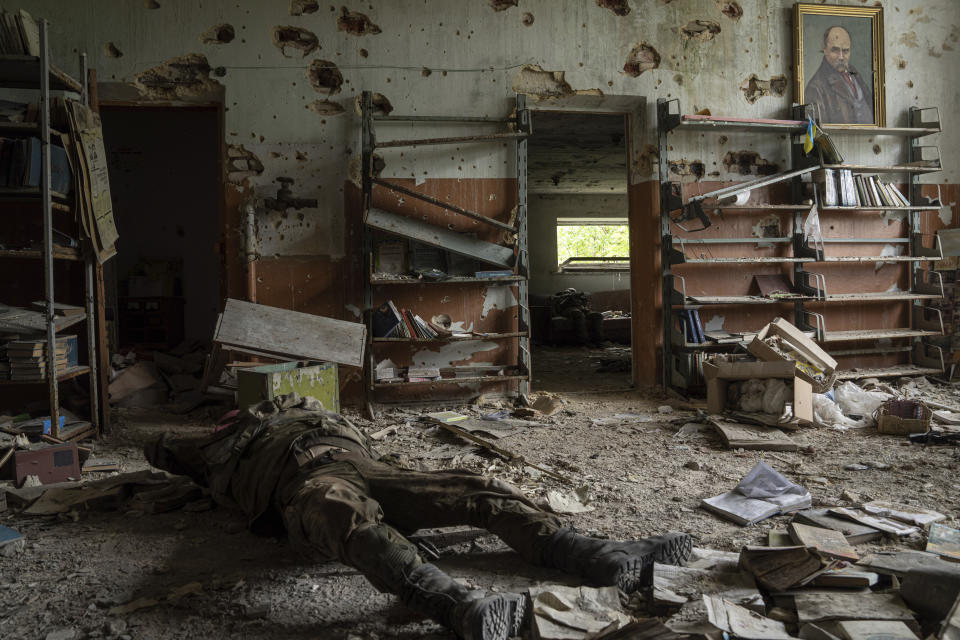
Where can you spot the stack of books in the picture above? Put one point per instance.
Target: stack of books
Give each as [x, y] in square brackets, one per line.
[20, 164]
[841, 188]
[28, 358]
[389, 321]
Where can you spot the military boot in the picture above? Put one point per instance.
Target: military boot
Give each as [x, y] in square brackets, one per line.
[471, 614]
[628, 565]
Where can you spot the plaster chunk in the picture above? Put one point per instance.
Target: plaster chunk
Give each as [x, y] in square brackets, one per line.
[533, 80]
[356, 23]
[299, 39]
[218, 34]
[643, 57]
[324, 77]
[179, 77]
[619, 7]
[242, 163]
[300, 7]
[381, 106]
[700, 30]
[754, 88]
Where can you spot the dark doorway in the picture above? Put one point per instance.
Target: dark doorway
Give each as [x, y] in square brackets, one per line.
[165, 182]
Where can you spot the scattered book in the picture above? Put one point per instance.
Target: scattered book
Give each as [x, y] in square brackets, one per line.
[762, 493]
[944, 541]
[854, 532]
[845, 578]
[8, 537]
[100, 464]
[445, 417]
[828, 542]
[780, 568]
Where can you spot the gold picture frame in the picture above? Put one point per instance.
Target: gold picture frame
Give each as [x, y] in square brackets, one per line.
[829, 63]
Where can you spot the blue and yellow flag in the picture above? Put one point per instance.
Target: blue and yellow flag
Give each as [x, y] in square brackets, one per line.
[809, 136]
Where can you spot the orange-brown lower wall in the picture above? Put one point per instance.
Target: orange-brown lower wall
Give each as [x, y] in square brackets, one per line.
[334, 288]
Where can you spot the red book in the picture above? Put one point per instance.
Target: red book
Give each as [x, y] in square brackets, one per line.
[407, 318]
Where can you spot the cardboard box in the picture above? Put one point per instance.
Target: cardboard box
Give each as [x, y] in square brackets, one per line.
[903, 417]
[317, 379]
[806, 348]
[719, 375]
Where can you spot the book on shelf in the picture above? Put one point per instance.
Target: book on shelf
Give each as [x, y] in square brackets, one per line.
[401, 327]
[899, 194]
[829, 182]
[383, 324]
[861, 190]
[408, 321]
[19, 33]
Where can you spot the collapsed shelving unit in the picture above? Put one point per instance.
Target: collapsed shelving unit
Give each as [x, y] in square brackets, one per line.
[810, 296]
[512, 257]
[38, 73]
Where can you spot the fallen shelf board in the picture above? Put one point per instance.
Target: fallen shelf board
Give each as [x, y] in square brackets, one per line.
[888, 372]
[434, 236]
[303, 335]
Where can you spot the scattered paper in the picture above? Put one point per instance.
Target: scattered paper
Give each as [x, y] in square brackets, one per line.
[569, 501]
[743, 623]
[575, 613]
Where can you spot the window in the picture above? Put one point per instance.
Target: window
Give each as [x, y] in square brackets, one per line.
[593, 243]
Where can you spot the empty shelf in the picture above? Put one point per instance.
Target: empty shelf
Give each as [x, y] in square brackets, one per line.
[719, 300]
[875, 334]
[487, 336]
[859, 130]
[757, 125]
[487, 137]
[902, 168]
[471, 380]
[853, 209]
[61, 253]
[880, 258]
[877, 297]
[23, 72]
[452, 280]
[745, 260]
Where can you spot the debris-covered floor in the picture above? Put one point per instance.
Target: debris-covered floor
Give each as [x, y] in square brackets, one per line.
[199, 573]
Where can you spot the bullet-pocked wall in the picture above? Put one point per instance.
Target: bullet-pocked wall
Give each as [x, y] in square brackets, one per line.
[290, 72]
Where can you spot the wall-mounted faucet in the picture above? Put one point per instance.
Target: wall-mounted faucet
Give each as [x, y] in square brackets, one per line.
[285, 199]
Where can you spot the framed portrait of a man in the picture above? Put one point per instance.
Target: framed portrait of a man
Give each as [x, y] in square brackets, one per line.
[838, 62]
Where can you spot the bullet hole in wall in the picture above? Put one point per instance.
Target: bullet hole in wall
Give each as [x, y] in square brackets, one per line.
[748, 162]
[355, 23]
[533, 80]
[527, 19]
[619, 7]
[324, 77]
[730, 8]
[754, 88]
[700, 30]
[218, 34]
[325, 107]
[187, 75]
[110, 50]
[294, 37]
[502, 5]
[692, 169]
[642, 57]
[300, 7]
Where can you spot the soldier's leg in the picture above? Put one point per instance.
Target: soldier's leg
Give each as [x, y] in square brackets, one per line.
[329, 514]
[579, 322]
[415, 500]
[595, 326]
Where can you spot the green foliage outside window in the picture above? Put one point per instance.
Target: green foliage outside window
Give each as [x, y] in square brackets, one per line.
[592, 241]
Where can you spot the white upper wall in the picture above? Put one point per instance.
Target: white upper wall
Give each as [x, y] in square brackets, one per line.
[482, 51]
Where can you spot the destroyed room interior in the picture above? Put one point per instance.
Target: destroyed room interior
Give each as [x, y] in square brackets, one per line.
[480, 319]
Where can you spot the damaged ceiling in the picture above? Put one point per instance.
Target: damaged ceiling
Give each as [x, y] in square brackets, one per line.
[577, 153]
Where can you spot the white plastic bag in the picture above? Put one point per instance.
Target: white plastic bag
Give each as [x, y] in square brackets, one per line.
[769, 395]
[855, 401]
[827, 413]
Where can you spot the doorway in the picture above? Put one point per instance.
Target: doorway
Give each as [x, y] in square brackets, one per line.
[577, 184]
[167, 279]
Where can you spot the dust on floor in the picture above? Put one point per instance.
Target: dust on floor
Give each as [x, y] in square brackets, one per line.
[190, 575]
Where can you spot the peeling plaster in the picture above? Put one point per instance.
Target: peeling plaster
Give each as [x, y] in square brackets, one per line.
[356, 175]
[688, 170]
[356, 23]
[450, 354]
[533, 80]
[619, 7]
[242, 163]
[946, 215]
[888, 250]
[891, 216]
[768, 227]
[646, 162]
[354, 309]
[715, 323]
[643, 57]
[498, 298]
[299, 39]
[700, 30]
[381, 106]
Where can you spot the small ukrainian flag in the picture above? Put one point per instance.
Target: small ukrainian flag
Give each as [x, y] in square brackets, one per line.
[809, 136]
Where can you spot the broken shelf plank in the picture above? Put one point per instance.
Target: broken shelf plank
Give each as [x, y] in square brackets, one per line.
[445, 205]
[874, 334]
[474, 379]
[488, 336]
[282, 331]
[897, 168]
[888, 372]
[486, 137]
[434, 236]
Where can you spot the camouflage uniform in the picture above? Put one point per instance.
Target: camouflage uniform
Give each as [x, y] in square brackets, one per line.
[312, 473]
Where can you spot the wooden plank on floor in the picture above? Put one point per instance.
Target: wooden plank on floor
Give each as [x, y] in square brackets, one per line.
[283, 331]
[434, 236]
